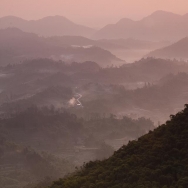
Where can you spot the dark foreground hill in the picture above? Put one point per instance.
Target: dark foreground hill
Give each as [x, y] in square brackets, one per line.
[156, 160]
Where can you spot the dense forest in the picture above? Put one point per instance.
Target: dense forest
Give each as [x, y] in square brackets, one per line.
[157, 159]
[62, 115]
[45, 142]
[144, 88]
[23, 166]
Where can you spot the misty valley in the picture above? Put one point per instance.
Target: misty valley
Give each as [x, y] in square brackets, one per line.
[94, 108]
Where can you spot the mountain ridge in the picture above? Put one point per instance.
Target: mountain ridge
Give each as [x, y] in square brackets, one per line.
[16, 46]
[160, 25]
[61, 26]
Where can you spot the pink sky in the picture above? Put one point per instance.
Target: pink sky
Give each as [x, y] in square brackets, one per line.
[94, 13]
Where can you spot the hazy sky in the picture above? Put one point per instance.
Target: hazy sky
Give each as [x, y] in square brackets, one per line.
[95, 13]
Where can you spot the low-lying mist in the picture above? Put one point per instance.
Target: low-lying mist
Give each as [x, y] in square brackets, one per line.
[70, 94]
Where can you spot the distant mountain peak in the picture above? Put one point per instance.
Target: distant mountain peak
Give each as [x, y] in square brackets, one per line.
[125, 21]
[160, 25]
[12, 17]
[159, 12]
[47, 26]
[161, 15]
[56, 18]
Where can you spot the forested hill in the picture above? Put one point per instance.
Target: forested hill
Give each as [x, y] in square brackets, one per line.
[157, 160]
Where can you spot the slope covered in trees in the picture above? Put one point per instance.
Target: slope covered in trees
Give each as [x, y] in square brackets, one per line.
[20, 165]
[157, 159]
[29, 138]
[44, 82]
[56, 130]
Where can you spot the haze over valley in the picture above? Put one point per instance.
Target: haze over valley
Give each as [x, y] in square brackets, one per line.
[85, 103]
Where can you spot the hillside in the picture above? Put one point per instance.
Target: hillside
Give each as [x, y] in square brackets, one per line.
[17, 46]
[20, 166]
[46, 143]
[153, 100]
[177, 50]
[132, 88]
[109, 44]
[129, 49]
[48, 26]
[157, 159]
[158, 26]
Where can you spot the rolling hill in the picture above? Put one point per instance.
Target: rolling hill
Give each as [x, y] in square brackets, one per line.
[178, 50]
[16, 46]
[130, 49]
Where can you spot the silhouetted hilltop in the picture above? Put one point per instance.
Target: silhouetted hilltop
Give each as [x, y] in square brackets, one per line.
[162, 16]
[157, 159]
[160, 25]
[48, 26]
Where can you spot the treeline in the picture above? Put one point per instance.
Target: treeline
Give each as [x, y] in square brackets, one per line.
[22, 166]
[154, 100]
[157, 159]
[46, 82]
[144, 70]
[52, 129]
[28, 138]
